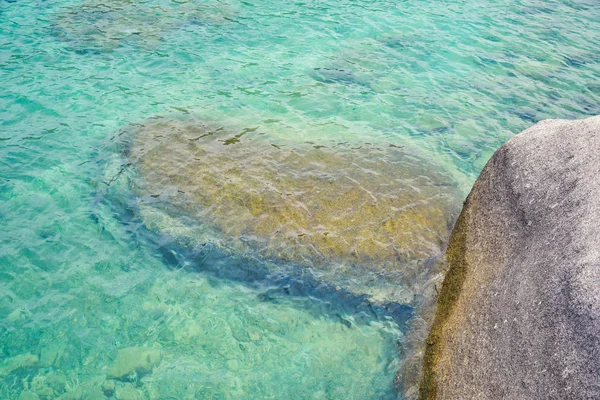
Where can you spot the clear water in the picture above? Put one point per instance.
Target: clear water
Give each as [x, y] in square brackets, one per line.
[79, 282]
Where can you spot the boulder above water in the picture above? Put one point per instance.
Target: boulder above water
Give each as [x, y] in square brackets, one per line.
[345, 210]
[519, 311]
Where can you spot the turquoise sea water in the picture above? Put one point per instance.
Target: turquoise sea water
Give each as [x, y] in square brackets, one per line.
[80, 280]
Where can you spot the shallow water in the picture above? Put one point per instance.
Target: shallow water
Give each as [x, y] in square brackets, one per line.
[80, 275]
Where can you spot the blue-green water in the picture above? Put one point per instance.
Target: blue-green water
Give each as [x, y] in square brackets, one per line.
[79, 281]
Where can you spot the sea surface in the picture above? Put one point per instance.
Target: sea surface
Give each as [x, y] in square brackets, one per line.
[92, 304]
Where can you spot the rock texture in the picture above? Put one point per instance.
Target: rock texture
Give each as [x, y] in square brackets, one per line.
[353, 213]
[519, 312]
[133, 362]
[96, 25]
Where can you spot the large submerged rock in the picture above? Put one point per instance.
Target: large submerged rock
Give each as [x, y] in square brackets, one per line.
[367, 218]
[519, 312]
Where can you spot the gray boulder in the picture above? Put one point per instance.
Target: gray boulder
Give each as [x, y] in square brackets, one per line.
[519, 312]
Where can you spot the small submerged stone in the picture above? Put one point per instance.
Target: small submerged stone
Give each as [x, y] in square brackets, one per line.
[51, 354]
[108, 387]
[352, 212]
[133, 362]
[403, 40]
[100, 26]
[338, 75]
[28, 396]
[20, 362]
[127, 391]
[87, 390]
[431, 123]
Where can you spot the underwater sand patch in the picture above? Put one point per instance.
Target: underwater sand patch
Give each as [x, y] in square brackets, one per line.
[95, 25]
[352, 213]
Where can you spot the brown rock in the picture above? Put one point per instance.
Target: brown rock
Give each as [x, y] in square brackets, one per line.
[346, 210]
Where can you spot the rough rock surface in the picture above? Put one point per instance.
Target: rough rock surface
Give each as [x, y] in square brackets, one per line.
[519, 312]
